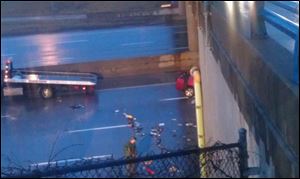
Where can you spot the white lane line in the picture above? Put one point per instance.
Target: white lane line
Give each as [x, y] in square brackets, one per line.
[137, 43]
[181, 32]
[67, 58]
[72, 41]
[9, 117]
[10, 54]
[139, 86]
[173, 99]
[72, 160]
[98, 128]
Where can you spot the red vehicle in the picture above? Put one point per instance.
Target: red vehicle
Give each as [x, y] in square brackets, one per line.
[185, 83]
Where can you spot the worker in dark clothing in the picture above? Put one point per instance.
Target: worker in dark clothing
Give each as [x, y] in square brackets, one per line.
[130, 153]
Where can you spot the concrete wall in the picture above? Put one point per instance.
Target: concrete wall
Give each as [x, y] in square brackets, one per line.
[127, 67]
[222, 115]
[242, 89]
[269, 102]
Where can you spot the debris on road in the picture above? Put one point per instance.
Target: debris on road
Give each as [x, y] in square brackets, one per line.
[138, 128]
[77, 106]
[58, 99]
[154, 133]
[129, 117]
[189, 124]
[117, 110]
[161, 124]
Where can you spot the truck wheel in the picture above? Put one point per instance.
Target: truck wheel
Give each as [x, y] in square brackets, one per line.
[46, 92]
[189, 92]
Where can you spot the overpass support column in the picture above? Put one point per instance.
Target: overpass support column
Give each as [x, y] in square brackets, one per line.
[191, 19]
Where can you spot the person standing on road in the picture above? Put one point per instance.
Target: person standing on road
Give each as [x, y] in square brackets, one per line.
[130, 153]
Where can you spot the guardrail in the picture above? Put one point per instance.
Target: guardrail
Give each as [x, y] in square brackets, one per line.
[287, 26]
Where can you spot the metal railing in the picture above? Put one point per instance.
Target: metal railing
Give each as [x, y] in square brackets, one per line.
[288, 27]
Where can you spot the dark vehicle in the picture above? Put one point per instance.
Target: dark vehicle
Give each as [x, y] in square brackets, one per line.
[185, 83]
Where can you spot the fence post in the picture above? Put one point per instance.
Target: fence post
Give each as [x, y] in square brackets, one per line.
[243, 152]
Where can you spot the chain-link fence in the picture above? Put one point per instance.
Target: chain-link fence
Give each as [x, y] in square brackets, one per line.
[217, 161]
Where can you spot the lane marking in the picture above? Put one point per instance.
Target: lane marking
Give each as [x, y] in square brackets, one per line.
[9, 54]
[138, 86]
[72, 41]
[9, 117]
[38, 18]
[72, 160]
[67, 58]
[98, 128]
[173, 99]
[137, 43]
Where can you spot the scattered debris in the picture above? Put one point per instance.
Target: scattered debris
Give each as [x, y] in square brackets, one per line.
[138, 128]
[137, 124]
[179, 124]
[189, 124]
[58, 99]
[154, 133]
[77, 106]
[117, 110]
[129, 117]
[161, 124]
[188, 139]
[174, 119]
